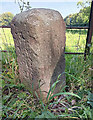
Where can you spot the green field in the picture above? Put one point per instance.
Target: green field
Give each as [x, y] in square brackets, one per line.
[6, 38]
[18, 102]
[75, 39]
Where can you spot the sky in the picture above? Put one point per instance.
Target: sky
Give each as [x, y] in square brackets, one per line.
[65, 7]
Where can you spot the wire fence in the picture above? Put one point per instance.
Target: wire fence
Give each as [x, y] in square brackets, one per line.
[75, 39]
[78, 38]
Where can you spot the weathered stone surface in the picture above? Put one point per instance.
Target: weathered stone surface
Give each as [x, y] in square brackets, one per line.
[39, 37]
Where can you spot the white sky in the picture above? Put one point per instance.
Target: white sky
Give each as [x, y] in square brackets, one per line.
[42, 0]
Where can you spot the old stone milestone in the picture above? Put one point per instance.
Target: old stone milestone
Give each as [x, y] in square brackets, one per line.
[39, 37]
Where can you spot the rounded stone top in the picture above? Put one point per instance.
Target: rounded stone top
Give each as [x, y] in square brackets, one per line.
[42, 13]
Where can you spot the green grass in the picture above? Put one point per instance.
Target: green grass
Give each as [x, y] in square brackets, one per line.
[18, 102]
[75, 40]
[6, 38]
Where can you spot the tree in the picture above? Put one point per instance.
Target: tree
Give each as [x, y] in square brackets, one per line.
[6, 18]
[84, 3]
[81, 18]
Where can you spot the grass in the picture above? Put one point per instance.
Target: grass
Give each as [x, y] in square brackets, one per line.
[6, 38]
[75, 40]
[74, 101]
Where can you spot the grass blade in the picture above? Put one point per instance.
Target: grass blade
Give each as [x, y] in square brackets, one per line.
[51, 89]
[64, 93]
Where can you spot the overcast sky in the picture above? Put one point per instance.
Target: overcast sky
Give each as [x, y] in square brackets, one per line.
[65, 7]
[42, 0]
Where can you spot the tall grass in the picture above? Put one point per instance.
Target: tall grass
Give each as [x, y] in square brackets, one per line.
[18, 102]
[75, 40]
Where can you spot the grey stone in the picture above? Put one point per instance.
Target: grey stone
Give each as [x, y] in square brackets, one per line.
[39, 37]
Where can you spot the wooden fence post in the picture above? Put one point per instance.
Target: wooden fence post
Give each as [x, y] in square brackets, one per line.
[90, 32]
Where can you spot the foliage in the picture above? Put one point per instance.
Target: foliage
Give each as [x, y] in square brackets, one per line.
[90, 99]
[5, 18]
[81, 18]
[23, 5]
[83, 3]
[92, 63]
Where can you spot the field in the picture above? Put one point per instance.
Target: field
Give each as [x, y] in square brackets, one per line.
[75, 39]
[77, 102]
[6, 38]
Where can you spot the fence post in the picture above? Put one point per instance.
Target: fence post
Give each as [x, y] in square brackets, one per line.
[92, 70]
[89, 34]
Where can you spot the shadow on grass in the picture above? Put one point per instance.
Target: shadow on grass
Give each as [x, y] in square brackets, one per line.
[82, 32]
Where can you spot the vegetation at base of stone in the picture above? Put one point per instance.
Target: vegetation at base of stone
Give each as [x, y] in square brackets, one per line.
[6, 18]
[18, 102]
[81, 18]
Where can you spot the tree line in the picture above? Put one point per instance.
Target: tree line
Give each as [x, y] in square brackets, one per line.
[78, 19]
[6, 18]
